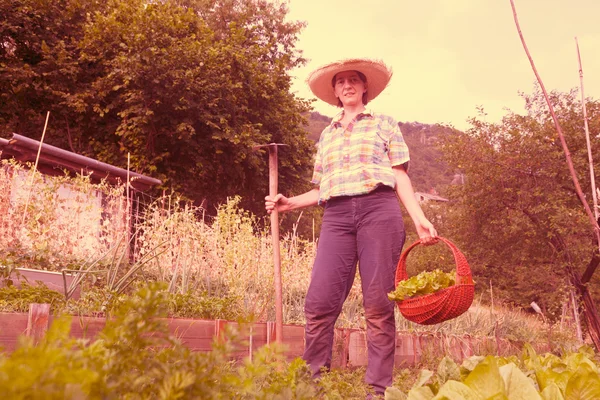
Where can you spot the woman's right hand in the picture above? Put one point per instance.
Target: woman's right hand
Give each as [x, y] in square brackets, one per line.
[280, 201]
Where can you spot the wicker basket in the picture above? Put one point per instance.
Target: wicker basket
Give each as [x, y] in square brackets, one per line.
[444, 304]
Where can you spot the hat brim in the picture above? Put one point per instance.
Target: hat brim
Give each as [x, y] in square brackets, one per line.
[377, 73]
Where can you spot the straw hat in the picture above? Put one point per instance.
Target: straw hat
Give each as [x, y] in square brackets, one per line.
[377, 73]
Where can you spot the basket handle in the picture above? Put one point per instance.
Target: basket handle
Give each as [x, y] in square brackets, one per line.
[462, 267]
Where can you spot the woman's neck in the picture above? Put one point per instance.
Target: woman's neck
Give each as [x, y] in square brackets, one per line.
[352, 111]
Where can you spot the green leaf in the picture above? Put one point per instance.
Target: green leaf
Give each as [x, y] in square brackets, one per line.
[424, 283]
[393, 393]
[583, 385]
[518, 386]
[420, 393]
[423, 378]
[454, 390]
[486, 380]
[469, 364]
[552, 392]
[447, 370]
[547, 376]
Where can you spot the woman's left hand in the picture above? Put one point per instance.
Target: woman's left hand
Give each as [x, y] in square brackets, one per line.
[426, 232]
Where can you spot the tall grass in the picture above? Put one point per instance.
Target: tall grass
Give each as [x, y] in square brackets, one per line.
[230, 255]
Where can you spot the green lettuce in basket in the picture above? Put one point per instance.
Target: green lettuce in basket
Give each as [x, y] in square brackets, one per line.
[424, 283]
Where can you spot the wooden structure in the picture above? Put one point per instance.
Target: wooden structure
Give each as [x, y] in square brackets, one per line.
[54, 161]
[349, 350]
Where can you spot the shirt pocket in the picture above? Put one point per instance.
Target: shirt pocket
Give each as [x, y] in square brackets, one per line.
[374, 148]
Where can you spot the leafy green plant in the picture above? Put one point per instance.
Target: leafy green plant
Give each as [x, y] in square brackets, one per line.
[344, 384]
[136, 358]
[18, 299]
[101, 302]
[425, 282]
[544, 377]
[201, 305]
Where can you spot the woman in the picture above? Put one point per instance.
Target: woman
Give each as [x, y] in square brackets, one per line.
[359, 174]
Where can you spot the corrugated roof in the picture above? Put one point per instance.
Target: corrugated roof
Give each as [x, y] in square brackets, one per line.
[54, 160]
[430, 196]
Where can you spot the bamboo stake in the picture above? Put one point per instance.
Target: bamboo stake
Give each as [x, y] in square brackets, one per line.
[559, 130]
[587, 135]
[37, 159]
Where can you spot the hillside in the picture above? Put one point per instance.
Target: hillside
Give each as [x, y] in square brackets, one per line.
[316, 123]
[427, 171]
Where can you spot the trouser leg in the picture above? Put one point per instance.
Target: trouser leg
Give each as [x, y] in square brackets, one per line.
[331, 280]
[380, 238]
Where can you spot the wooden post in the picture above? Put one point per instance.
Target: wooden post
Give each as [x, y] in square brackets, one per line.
[346, 349]
[273, 181]
[251, 343]
[220, 329]
[271, 332]
[38, 321]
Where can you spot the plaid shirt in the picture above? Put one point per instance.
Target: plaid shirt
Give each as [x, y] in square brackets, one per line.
[355, 160]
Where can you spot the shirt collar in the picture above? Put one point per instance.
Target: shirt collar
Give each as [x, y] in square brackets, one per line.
[338, 117]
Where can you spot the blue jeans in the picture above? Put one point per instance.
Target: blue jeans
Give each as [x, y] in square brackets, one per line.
[367, 229]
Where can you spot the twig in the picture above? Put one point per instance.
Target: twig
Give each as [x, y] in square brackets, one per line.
[37, 158]
[492, 303]
[576, 317]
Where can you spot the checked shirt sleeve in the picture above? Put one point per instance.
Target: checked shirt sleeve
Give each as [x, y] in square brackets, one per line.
[398, 150]
[318, 168]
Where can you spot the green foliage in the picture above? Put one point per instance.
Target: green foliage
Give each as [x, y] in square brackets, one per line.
[201, 305]
[424, 283]
[186, 87]
[517, 218]
[54, 369]
[344, 384]
[96, 302]
[135, 358]
[18, 299]
[548, 377]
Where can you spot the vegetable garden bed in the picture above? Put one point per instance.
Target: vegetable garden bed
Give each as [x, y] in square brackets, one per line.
[198, 335]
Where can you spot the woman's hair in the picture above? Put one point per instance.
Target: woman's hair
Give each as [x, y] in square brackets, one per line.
[365, 97]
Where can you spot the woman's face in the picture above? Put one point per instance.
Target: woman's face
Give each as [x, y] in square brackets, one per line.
[349, 88]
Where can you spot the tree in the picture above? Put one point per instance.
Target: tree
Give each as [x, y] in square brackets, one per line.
[518, 216]
[186, 87]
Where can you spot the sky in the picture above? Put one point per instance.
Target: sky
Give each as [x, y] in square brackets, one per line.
[452, 57]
